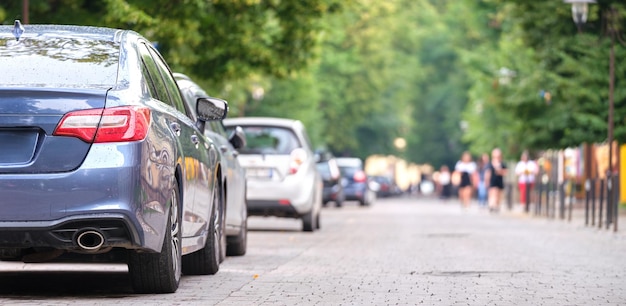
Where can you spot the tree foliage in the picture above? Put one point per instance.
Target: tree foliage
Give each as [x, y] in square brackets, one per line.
[446, 75]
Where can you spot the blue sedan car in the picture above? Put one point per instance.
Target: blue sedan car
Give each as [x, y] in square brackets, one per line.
[98, 156]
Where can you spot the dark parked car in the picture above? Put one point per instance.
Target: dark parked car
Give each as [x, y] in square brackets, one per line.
[234, 175]
[357, 185]
[100, 158]
[331, 177]
[386, 186]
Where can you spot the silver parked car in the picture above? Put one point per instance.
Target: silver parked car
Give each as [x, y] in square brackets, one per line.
[236, 225]
[100, 159]
[280, 166]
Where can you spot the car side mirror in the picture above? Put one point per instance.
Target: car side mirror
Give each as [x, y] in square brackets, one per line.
[238, 138]
[210, 109]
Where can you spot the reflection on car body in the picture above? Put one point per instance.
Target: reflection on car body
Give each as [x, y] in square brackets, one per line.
[236, 218]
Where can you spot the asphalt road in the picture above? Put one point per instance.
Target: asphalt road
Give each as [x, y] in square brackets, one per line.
[398, 252]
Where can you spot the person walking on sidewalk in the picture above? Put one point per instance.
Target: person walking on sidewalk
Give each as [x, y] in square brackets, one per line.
[483, 185]
[495, 177]
[466, 169]
[525, 170]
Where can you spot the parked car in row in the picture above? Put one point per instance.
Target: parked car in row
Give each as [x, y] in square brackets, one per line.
[386, 186]
[280, 167]
[331, 178]
[236, 222]
[358, 186]
[100, 156]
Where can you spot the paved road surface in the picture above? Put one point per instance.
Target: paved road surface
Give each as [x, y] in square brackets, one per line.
[398, 252]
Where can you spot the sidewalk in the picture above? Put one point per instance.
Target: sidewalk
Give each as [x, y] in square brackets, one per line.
[577, 215]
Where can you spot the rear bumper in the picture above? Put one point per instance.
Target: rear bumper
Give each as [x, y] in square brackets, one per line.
[332, 193]
[117, 230]
[355, 192]
[113, 192]
[297, 191]
[272, 208]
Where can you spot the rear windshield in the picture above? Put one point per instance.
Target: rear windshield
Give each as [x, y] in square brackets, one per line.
[349, 167]
[269, 140]
[348, 171]
[324, 169]
[58, 62]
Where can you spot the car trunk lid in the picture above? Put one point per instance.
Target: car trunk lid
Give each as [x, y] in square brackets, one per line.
[28, 118]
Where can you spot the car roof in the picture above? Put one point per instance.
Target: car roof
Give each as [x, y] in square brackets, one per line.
[53, 30]
[115, 42]
[264, 121]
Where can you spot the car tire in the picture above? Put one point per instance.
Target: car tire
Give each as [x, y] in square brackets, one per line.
[238, 245]
[160, 272]
[318, 224]
[206, 261]
[308, 222]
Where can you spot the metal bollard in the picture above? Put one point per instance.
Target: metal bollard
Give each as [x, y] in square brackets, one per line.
[587, 195]
[601, 203]
[594, 185]
[561, 200]
[555, 190]
[527, 204]
[572, 198]
[616, 204]
[509, 196]
[609, 201]
[539, 198]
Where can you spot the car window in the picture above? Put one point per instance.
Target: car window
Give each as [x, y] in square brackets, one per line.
[269, 140]
[42, 61]
[170, 83]
[218, 127]
[324, 169]
[190, 101]
[348, 171]
[158, 85]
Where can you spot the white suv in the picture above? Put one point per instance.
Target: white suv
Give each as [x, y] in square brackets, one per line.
[280, 168]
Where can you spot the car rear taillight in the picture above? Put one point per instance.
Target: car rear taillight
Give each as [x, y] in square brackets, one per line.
[118, 124]
[359, 177]
[298, 156]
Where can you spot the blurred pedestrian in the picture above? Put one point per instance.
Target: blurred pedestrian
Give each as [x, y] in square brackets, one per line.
[466, 168]
[526, 170]
[482, 187]
[495, 177]
[444, 181]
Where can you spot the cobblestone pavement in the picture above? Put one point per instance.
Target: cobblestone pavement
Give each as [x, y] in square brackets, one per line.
[404, 251]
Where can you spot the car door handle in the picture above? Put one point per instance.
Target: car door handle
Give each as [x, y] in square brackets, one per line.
[195, 139]
[223, 149]
[176, 128]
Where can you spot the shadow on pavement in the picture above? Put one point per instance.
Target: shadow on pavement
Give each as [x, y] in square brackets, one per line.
[74, 283]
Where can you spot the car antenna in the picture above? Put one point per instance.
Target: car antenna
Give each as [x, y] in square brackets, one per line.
[18, 29]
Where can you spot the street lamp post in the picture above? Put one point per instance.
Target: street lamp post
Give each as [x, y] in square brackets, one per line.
[611, 16]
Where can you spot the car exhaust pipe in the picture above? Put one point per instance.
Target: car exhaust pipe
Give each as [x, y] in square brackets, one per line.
[90, 240]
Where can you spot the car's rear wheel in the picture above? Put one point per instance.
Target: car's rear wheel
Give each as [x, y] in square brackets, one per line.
[207, 260]
[237, 245]
[309, 221]
[318, 225]
[160, 272]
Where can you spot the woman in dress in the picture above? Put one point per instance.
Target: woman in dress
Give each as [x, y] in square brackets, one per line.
[495, 177]
[466, 168]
